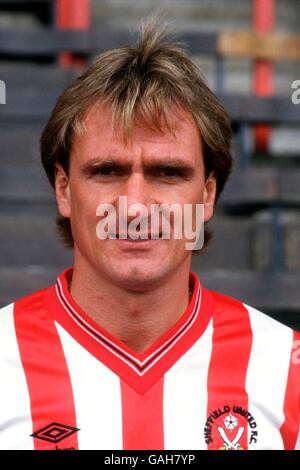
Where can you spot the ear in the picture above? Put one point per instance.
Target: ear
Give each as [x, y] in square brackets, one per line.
[62, 191]
[209, 196]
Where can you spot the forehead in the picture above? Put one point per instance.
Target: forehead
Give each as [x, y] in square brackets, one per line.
[99, 137]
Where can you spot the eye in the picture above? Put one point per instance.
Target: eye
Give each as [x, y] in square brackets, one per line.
[169, 172]
[108, 170]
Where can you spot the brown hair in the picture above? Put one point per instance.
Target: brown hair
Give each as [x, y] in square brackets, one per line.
[144, 79]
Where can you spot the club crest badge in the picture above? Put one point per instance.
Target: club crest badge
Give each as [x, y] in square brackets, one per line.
[230, 428]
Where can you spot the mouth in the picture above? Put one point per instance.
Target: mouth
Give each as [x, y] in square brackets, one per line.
[141, 237]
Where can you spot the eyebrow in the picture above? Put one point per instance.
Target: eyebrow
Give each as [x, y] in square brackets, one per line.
[89, 167]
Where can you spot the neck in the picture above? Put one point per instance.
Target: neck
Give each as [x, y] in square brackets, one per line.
[137, 319]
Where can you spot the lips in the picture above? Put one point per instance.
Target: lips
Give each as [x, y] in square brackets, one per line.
[145, 236]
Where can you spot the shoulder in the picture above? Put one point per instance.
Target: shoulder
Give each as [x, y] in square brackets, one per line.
[29, 303]
[272, 347]
[18, 323]
[259, 321]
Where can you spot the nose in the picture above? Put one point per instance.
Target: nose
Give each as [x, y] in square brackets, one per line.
[139, 198]
[138, 190]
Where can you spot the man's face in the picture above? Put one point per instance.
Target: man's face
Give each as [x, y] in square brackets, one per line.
[153, 168]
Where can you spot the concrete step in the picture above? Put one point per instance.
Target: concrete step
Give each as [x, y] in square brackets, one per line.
[27, 74]
[16, 283]
[272, 293]
[28, 238]
[22, 177]
[230, 246]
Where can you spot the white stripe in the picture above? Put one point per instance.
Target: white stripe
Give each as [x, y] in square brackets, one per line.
[97, 397]
[267, 377]
[15, 412]
[185, 396]
[297, 446]
[171, 341]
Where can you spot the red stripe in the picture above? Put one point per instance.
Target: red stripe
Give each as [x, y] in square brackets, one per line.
[74, 15]
[46, 370]
[290, 428]
[231, 347]
[142, 416]
[263, 21]
[263, 15]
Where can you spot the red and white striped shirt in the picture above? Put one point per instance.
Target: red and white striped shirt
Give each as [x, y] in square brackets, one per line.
[225, 376]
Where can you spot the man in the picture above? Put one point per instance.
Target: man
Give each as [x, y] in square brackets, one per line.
[129, 350]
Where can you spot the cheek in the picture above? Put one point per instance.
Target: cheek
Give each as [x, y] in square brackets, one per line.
[191, 193]
[194, 191]
[194, 195]
[84, 203]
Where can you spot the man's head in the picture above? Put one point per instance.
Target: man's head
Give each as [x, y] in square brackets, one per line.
[117, 130]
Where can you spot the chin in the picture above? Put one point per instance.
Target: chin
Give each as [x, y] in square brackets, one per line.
[137, 277]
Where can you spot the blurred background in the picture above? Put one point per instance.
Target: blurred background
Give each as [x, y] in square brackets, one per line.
[249, 52]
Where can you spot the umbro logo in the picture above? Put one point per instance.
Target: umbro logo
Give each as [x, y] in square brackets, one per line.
[54, 432]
